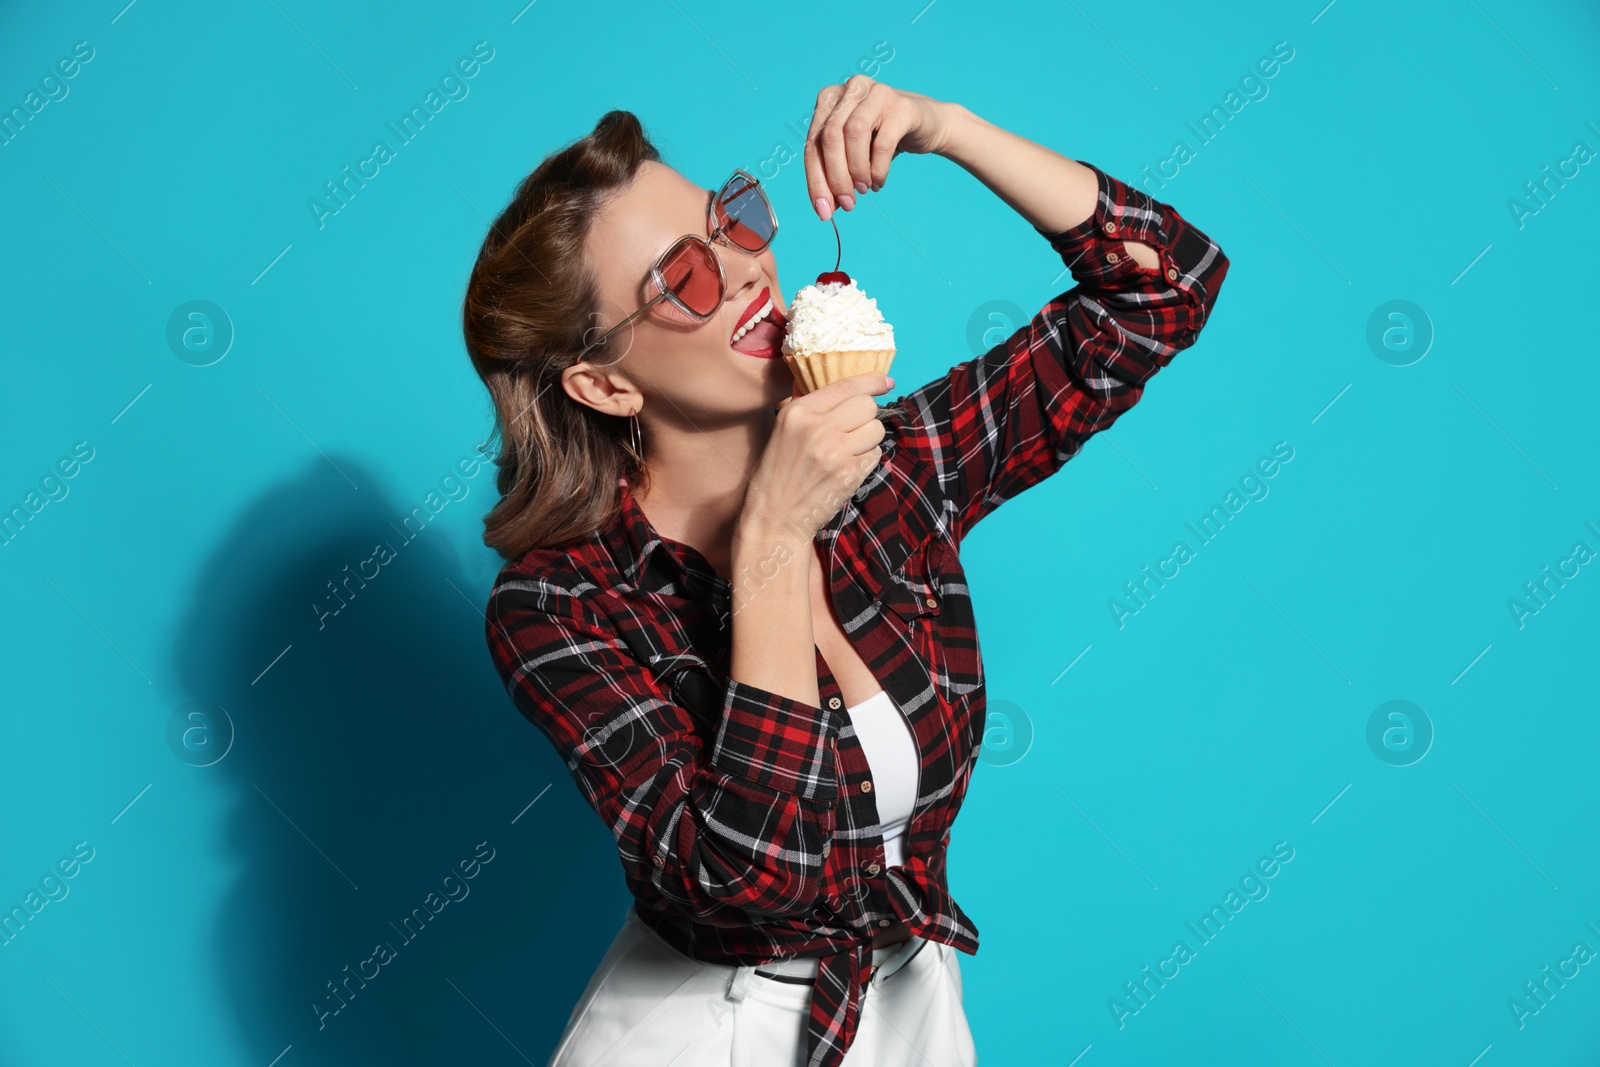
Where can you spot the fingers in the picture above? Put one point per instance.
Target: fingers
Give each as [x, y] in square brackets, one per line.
[859, 127]
[830, 395]
[816, 176]
[835, 164]
[864, 439]
[892, 126]
[838, 156]
[851, 420]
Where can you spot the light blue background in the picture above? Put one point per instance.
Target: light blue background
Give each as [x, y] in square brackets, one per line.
[374, 753]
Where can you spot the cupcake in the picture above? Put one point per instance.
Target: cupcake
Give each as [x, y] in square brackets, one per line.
[835, 330]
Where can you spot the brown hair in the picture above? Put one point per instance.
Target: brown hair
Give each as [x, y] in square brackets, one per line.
[530, 301]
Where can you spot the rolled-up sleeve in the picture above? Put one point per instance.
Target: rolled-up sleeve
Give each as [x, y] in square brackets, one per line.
[995, 425]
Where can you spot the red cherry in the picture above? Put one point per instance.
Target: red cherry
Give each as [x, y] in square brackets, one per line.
[833, 276]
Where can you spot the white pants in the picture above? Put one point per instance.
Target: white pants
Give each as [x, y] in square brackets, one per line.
[648, 1004]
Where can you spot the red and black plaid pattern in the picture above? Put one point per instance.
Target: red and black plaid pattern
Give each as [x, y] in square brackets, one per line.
[744, 820]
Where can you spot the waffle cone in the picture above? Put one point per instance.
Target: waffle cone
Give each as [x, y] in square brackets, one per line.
[813, 370]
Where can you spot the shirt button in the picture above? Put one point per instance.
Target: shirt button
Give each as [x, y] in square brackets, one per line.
[883, 922]
[827, 846]
[658, 861]
[833, 702]
[873, 868]
[1112, 257]
[1111, 227]
[866, 787]
[1172, 274]
[932, 603]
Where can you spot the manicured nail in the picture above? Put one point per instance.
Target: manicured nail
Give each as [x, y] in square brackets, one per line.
[823, 210]
[861, 186]
[847, 201]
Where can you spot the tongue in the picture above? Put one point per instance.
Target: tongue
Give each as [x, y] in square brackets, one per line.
[760, 339]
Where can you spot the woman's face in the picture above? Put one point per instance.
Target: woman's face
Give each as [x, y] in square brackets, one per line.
[685, 371]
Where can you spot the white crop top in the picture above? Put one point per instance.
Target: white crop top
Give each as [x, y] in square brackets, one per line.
[891, 750]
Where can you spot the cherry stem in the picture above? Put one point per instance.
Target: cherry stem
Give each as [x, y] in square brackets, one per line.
[837, 246]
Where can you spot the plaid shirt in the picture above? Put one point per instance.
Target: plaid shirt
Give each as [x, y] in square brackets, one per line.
[744, 820]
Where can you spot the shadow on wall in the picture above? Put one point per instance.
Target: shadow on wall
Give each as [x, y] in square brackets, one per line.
[386, 908]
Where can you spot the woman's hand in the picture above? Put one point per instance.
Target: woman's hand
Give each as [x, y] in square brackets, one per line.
[857, 128]
[823, 446]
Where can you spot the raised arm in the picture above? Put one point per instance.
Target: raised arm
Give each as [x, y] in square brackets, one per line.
[1146, 283]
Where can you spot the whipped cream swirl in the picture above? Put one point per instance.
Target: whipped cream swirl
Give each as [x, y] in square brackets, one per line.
[835, 317]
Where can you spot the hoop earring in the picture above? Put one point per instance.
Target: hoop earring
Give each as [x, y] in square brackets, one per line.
[637, 437]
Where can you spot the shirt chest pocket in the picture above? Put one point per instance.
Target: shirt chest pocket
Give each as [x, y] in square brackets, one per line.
[927, 597]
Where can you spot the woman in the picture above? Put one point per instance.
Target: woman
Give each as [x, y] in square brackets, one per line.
[739, 614]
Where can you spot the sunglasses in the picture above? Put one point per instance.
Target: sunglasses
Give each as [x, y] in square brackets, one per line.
[689, 273]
